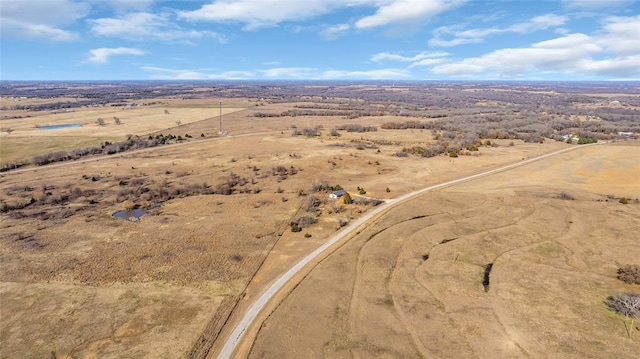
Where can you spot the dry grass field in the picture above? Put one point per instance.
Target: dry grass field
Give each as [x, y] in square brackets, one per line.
[76, 282]
[411, 284]
[28, 139]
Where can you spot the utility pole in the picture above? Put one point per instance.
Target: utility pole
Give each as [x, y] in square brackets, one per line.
[221, 117]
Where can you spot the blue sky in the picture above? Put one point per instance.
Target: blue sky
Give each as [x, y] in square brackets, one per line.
[320, 40]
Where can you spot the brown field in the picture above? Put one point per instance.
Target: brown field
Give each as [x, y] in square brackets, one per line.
[411, 284]
[76, 282]
[27, 140]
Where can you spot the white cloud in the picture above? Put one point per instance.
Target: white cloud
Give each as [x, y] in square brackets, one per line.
[41, 19]
[334, 31]
[290, 73]
[102, 55]
[387, 56]
[381, 74]
[621, 35]
[30, 30]
[618, 67]
[401, 11]
[124, 6]
[560, 54]
[259, 13]
[50, 12]
[146, 26]
[595, 4]
[171, 74]
[612, 52]
[293, 73]
[472, 36]
[430, 62]
[539, 23]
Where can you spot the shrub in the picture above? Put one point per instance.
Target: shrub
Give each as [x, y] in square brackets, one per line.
[295, 227]
[624, 200]
[361, 191]
[629, 274]
[307, 235]
[585, 140]
[565, 195]
[453, 154]
[346, 199]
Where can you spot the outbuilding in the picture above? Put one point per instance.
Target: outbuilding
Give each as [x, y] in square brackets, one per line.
[337, 194]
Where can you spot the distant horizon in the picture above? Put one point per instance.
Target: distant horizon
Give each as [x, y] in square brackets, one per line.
[320, 40]
[293, 81]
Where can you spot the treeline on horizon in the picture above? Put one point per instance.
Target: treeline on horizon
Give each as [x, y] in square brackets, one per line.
[465, 112]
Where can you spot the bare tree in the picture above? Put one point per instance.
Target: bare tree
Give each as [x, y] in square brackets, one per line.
[8, 130]
[627, 304]
[100, 121]
[117, 120]
[178, 122]
[166, 112]
[311, 203]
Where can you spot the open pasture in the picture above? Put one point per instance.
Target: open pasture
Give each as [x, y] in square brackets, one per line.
[411, 284]
[219, 214]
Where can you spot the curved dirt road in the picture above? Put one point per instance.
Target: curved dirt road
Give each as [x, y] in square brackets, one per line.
[255, 308]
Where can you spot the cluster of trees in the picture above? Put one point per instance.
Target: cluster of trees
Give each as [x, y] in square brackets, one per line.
[447, 143]
[131, 143]
[302, 112]
[352, 127]
[416, 99]
[307, 131]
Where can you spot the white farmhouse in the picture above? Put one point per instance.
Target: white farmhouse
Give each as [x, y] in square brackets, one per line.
[337, 194]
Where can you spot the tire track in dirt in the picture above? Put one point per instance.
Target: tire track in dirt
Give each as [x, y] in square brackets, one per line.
[509, 333]
[353, 308]
[404, 319]
[469, 215]
[391, 288]
[355, 292]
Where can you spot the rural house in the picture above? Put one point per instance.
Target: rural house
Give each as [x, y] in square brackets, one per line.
[337, 194]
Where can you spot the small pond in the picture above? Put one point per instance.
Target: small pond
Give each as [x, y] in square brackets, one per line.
[130, 214]
[57, 127]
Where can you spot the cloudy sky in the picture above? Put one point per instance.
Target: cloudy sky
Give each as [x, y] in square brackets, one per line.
[320, 39]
